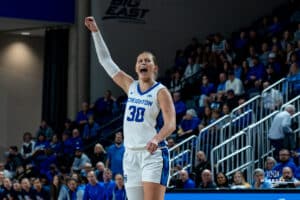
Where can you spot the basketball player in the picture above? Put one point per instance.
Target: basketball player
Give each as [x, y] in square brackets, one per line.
[146, 164]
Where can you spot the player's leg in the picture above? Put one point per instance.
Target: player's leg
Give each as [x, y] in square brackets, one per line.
[154, 191]
[135, 193]
[133, 175]
[155, 174]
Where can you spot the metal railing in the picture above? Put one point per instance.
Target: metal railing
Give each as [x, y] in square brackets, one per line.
[232, 155]
[182, 154]
[295, 101]
[211, 135]
[258, 135]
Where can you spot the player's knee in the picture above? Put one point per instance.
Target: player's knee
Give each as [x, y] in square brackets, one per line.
[135, 193]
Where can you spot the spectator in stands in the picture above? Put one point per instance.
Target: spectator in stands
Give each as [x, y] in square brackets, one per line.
[222, 81]
[294, 80]
[219, 44]
[273, 60]
[245, 70]
[27, 147]
[119, 192]
[241, 43]
[98, 155]
[206, 118]
[103, 108]
[239, 181]
[287, 180]
[41, 144]
[6, 173]
[254, 40]
[286, 39]
[109, 184]
[260, 182]
[13, 159]
[27, 190]
[68, 127]
[180, 107]
[270, 173]
[271, 99]
[55, 186]
[86, 169]
[91, 132]
[45, 130]
[70, 191]
[170, 142]
[40, 192]
[264, 56]
[94, 190]
[67, 151]
[234, 84]
[202, 164]
[80, 160]
[225, 109]
[188, 125]
[231, 99]
[255, 73]
[237, 70]
[56, 145]
[290, 49]
[252, 54]
[270, 75]
[205, 90]
[83, 115]
[285, 160]
[99, 171]
[176, 84]
[17, 190]
[179, 59]
[185, 182]
[280, 133]
[288, 175]
[207, 181]
[6, 190]
[222, 181]
[76, 139]
[191, 69]
[115, 155]
[275, 27]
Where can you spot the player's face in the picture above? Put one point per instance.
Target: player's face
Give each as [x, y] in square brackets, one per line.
[145, 66]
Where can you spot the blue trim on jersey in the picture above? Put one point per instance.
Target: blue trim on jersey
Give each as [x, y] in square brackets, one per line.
[165, 170]
[151, 88]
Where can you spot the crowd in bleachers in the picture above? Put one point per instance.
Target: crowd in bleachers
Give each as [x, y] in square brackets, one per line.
[216, 76]
[208, 80]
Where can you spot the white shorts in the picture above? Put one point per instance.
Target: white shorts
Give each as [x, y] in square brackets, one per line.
[141, 166]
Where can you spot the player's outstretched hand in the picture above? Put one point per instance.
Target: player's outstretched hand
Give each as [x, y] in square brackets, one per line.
[152, 145]
[91, 24]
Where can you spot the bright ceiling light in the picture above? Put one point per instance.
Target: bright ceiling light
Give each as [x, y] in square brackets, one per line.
[25, 33]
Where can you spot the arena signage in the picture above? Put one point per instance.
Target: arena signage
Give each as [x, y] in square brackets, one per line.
[129, 11]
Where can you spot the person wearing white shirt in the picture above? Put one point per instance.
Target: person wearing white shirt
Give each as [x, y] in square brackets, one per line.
[234, 84]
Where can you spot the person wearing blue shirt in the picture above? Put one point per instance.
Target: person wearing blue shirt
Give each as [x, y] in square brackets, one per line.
[115, 155]
[76, 140]
[119, 192]
[109, 184]
[260, 182]
[91, 129]
[188, 125]
[294, 79]
[180, 107]
[94, 190]
[188, 183]
[222, 80]
[285, 161]
[83, 115]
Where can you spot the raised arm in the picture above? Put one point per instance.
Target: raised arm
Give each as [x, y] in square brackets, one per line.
[120, 77]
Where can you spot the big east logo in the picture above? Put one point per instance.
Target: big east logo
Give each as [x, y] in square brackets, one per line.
[126, 10]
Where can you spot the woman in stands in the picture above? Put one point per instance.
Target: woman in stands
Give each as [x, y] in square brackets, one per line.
[146, 166]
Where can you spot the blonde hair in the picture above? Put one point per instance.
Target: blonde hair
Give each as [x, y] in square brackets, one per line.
[98, 145]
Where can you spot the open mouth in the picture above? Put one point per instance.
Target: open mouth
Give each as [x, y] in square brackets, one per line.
[143, 70]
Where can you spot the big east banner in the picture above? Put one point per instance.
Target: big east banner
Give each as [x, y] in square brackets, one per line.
[126, 11]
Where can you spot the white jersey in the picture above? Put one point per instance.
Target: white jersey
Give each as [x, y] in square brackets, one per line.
[141, 113]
